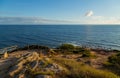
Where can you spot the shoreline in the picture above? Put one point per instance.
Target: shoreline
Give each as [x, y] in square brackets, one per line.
[27, 47]
[49, 61]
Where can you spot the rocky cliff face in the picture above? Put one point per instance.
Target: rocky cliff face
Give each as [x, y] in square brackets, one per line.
[49, 63]
[25, 64]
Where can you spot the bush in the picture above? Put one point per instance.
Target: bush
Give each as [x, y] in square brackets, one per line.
[86, 53]
[68, 47]
[114, 59]
[79, 50]
[113, 63]
[79, 70]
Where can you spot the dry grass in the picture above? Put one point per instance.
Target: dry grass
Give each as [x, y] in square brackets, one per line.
[79, 70]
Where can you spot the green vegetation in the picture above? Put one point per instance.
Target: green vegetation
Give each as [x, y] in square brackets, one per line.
[113, 63]
[78, 50]
[115, 59]
[72, 48]
[39, 70]
[86, 53]
[68, 47]
[67, 61]
[79, 70]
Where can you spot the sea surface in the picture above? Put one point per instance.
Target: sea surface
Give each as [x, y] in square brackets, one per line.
[102, 36]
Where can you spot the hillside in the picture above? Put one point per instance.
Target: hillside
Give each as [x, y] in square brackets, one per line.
[55, 63]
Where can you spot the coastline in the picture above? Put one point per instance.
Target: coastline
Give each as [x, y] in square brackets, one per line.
[96, 60]
[29, 47]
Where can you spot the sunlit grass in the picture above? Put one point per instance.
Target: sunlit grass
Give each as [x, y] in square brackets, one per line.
[79, 70]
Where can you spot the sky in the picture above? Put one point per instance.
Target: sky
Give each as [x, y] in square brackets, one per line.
[59, 11]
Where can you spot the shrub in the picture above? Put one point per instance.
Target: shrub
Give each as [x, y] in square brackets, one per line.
[113, 63]
[33, 47]
[68, 47]
[86, 53]
[114, 59]
[78, 50]
[79, 70]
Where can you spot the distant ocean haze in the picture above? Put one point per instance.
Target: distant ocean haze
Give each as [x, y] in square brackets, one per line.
[107, 36]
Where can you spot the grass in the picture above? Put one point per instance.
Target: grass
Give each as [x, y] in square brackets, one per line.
[71, 67]
[39, 70]
[79, 70]
[44, 73]
[68, 47]
[71, 49]
[113, 63]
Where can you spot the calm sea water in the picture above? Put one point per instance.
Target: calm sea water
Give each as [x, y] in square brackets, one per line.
[107, 36]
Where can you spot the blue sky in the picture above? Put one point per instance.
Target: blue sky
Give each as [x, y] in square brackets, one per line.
[59, 11]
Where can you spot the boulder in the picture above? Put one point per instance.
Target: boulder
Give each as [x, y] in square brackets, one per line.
[5, 55]
[55, 67]
[43, 76]
[21, 76]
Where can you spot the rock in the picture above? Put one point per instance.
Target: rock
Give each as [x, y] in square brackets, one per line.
[21, 76]
[88, 62]
[79, 60]
[34, 64]
[21, 63]
[46, 59]
[5, 55]
[41, 63]
[55, 67]
[43, 76]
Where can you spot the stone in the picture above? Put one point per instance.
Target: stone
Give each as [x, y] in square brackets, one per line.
[88, 62]
[43, 76]
[55, 67]
[79, 60]
[41, 63]
[5, 55]
[21, 76]
[46, 59]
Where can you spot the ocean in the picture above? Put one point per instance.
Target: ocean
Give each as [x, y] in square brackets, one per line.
[102, 36]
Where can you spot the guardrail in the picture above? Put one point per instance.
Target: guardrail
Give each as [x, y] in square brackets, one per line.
[8, 49]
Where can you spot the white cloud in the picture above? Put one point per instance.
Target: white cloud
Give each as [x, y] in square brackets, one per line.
[102, 20]
[89, 13]
[93, 19]
[32, 20]
[38, 20]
